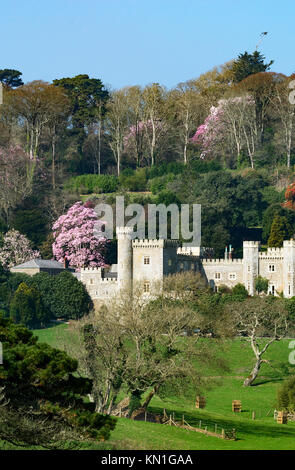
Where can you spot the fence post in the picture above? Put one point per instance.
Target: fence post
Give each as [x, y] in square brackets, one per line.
[200, 424]
[182, 420]
[253, 414]
[215, 428]
[223, 434]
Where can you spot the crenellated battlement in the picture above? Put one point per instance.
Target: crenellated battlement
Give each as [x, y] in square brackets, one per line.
[154, 243]
[251, 244]
[91, 269]
[109, 279]
[222, 261]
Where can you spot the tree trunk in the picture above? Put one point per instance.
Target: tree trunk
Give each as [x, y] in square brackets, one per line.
[250, 379]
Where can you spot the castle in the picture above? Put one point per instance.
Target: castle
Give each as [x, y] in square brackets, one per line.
[147, 261]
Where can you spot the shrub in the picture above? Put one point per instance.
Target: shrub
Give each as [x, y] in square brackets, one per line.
[133, 180]
[88, 184]
[63, 295]
[27, 307]
[286, 395]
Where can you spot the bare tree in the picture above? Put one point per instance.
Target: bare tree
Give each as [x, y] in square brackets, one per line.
[263, 321]
[116, 123]
[136, 343]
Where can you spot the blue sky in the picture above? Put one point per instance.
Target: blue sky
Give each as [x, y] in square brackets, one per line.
[128, 42]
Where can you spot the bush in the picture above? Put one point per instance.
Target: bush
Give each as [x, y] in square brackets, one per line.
[88, 184]
[133, 180]
[286, 395]
[63, 295]
[27, 307]
[159, 184]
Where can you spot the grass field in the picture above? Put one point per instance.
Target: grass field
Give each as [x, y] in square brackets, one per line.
[261, 433]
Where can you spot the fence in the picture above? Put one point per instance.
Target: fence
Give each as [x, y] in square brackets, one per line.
[210, 429]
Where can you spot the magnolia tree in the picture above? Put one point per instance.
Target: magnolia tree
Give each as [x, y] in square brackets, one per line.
[78, 237]
[232, 123]
[16, 249]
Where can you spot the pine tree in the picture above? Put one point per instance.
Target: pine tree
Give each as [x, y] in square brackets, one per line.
[280, 230]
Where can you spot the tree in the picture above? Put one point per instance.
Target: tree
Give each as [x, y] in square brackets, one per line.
[32, 105]
[280, 231]
[290, 196]
[27, 307]
[231, 123]
[41, 388]
[63, 295]
[16, 249]
[16, 168]
[136, 346]
[285, 110]
[77, 238]
[261, 284]
[263, 320]
[286, 395]
[116, 124]
[247, 64]
[186, 106]
[153, 96]
[87, 97]
[11, 78]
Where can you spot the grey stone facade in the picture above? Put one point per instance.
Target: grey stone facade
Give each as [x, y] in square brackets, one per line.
[146, 261]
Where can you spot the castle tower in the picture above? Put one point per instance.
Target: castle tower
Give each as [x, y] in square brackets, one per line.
[124, 236]
[250, 265]
[288, 268]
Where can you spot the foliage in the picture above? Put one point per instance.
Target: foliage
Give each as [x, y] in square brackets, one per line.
[11, 78]
[63, 295]
[280, 231]
[16, 249]
[286, 395]
[77, 237]
[40, 382]
[261, 284]
[92, 184]
[247, 64]
[26, 307]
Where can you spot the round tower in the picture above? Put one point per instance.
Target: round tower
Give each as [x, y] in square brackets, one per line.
[124, 237]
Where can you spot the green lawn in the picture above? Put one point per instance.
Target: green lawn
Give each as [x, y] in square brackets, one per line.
[261, 433]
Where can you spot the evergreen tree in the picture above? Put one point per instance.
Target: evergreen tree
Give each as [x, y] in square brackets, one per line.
[280, 230]
[27, 307]
[247, 64]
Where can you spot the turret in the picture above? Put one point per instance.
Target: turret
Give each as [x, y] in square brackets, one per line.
[250, 264]
[288, 267]
[124, 237]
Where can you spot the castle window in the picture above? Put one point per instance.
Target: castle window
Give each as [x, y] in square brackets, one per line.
[181, 265]
[249, 268]
[91, 281]
[289, 289]
[192, 266]
[217, 275]
[232, 276]
[146, 260]
[169, 262]
[271, 268]
[146, 286]
[271, 290]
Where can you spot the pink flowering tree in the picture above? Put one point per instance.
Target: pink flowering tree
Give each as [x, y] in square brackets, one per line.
[78, 237]
[16, 249]
[231, 124]
[210, 134]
